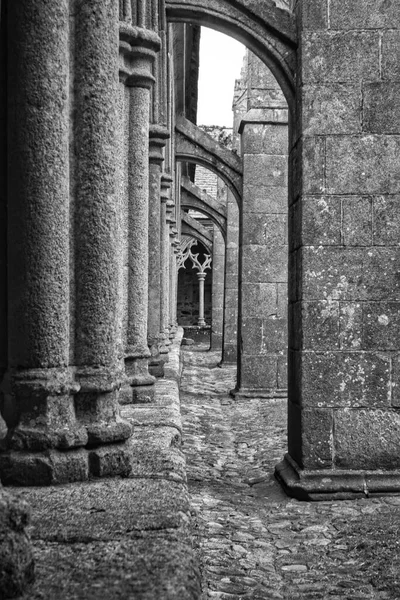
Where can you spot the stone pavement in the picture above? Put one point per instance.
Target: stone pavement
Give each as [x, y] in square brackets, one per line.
[251, 540]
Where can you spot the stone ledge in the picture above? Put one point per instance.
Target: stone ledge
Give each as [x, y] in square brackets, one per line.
[327, 484]
[244, 392]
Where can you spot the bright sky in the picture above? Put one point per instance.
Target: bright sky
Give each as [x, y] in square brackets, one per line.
[221, 59]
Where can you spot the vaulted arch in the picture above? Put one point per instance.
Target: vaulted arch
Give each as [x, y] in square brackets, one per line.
[268, 31]
[194, 198]
[195, 146]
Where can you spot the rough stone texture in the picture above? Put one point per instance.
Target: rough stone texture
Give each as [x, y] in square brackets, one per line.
[343, 310]
[218, 281]
[38, 221]
[263, 316]
[230, 342]
[122, 537]
[251, 540]
[16, 559]
[156, 158]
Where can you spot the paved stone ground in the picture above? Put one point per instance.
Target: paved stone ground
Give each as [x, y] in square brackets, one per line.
[251, 540]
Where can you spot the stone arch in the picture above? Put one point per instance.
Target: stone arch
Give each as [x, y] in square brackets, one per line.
[193, 228]
[268, 31]
[194, 198]
[195, 146]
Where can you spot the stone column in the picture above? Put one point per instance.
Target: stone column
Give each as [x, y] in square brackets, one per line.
[97, 237]
[344, 253]
[165, 263]
[156, 339]
[172, 279]
[138, 46]
[231, 281]
[218, 284]
[168, 251]
[39, 387]
[201, 277]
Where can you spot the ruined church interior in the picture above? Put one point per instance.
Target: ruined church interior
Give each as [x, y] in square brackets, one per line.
[199, 324]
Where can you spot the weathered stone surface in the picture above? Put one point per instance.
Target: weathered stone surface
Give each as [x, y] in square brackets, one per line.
[269, 266]
[271, 169]
[348, 379]
[338, 57]
[367, 439]
[16, 559]
[378, 95]
[352, 274]
[255, 542]
[265, 229]
[370, 167]
[369, 14]
[313, 449]
[390, 54]
[316, 222]
[386, 229]
[331, 109]
[357, 221]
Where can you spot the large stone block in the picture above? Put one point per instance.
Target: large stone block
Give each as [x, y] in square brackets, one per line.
[307, 164]
[391, 55]
[259, 372]
[266, 170]
[264, 197]
[340, 57]
[317, 221]
[370, 166]
[259, 300]
[351, 274]
[331, 109]
[320, 325]
[381, 107]
[345, 379]
[265, 229]
[367, 439]
[357, 221]
[273, 336]
[264, 265]
[251, 333]
[365, 14]
[260, 138]
[282, 305]
[312, 446]
[313, 15]
[351, 326]
[386, 231]
[381, 326]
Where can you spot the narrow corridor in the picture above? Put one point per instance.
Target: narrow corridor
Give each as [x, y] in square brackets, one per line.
[252, 540]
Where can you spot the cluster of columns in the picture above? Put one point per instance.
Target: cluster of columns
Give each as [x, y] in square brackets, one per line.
[89, 265]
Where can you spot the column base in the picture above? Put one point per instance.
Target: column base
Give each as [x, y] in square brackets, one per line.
[156, 364]
[156, 368]
[44, 414]
[244, 392]
[99, 413]
[56, 467]
[143, 394]
[140, 383]
[331, 484]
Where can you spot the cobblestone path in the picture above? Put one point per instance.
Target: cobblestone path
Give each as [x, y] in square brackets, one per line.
[253, 541]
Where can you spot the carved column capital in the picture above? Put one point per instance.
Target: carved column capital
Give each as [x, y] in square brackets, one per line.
[158, 136]
[138, 48]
